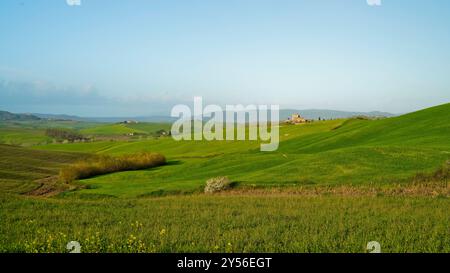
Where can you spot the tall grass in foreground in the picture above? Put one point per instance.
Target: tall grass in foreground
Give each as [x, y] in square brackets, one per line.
[108, 164]
[214, 223]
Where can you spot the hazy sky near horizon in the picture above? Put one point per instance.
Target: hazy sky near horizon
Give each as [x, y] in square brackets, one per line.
[141, 57]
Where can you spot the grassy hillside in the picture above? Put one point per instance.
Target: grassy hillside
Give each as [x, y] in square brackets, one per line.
[123, 129]
[332, 186]
[22, 136]
[30, 133]
[149, 127]
[169, 147]
[426, 128]
[109, 129]
[334, 152]
[33, 132]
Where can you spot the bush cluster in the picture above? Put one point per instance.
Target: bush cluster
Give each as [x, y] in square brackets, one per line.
[217, 184]
[107, 164]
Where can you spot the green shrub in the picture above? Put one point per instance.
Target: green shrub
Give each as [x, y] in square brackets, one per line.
[107, 164]
[217, 184]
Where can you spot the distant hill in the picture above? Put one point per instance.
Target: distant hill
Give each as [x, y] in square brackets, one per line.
[284, 114]
[7, 116]
[60, 117]
[105, 119]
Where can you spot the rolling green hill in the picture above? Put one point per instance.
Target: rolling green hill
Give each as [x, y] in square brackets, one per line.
[320, 192]
[336, 152]
[33, 132]
[426, 128]
[24, 137]
[352, 151]
[123, 129]
[149, 127]
[110, 129]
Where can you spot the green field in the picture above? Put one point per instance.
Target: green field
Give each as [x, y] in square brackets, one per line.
[332, 186]
[30, 133]
[22, 169]
[226, 224]
[324, 153]
[23, 136]
[123, 129]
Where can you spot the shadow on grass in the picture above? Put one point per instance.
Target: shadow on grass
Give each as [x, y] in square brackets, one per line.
[173, 163]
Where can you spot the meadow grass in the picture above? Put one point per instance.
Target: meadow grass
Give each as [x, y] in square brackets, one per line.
[216, 223]
[332, 186]
[109, 130]
[23, 136]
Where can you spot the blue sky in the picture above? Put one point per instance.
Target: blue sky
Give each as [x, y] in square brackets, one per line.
[141, 57]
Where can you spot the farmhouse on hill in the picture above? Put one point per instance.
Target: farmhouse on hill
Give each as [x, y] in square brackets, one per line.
[296, 119]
